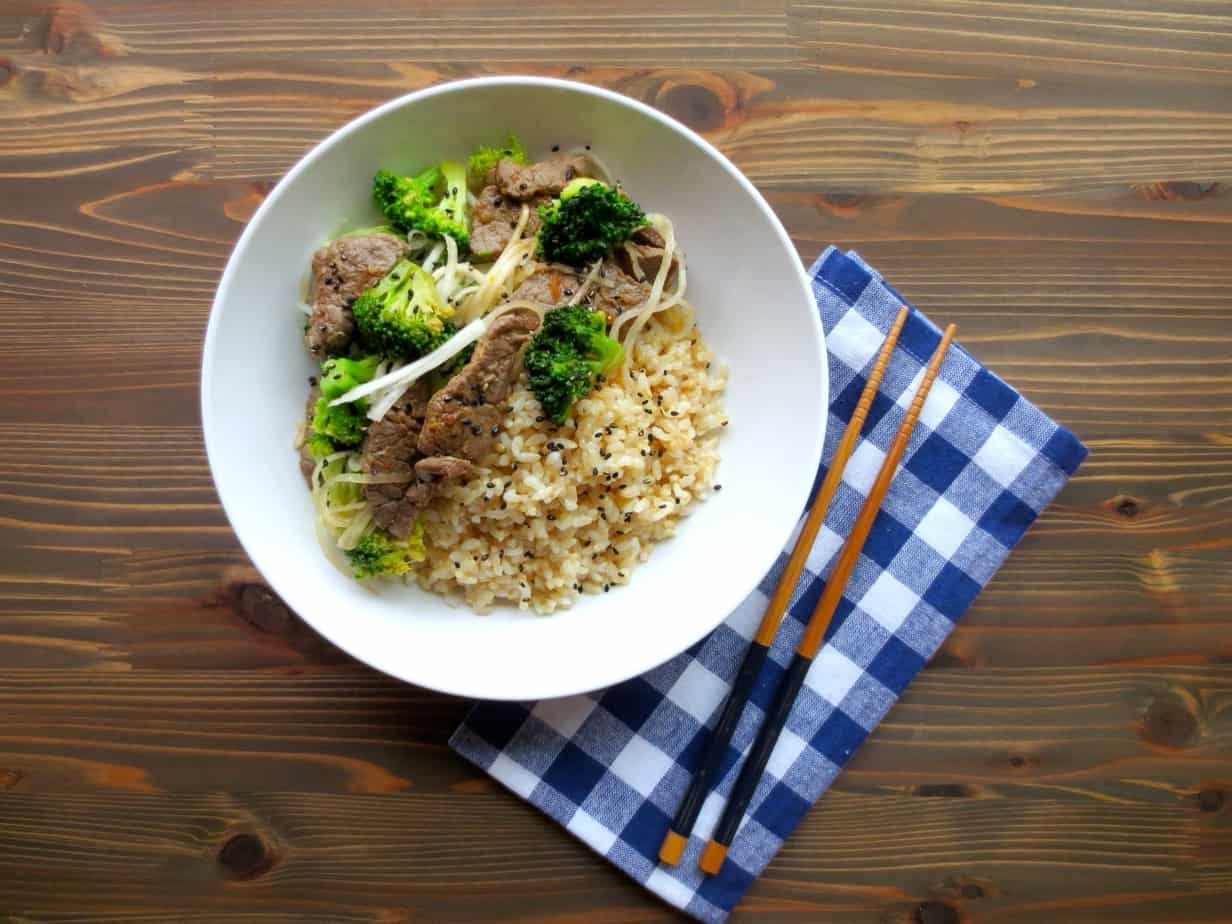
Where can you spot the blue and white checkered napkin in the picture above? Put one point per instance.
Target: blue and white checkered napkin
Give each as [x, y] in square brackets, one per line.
[612, 766]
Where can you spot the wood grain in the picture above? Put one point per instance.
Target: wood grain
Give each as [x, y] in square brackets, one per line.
[1056, 178]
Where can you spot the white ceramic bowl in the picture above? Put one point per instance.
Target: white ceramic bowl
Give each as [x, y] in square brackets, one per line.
[755, 311]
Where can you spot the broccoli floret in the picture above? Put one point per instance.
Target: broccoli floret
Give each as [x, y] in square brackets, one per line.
[486, 158]
[433, 201]
[338, 376]
[567, 354]
[403, 316]
[335, 428]
[587, 221]
[379, 553]
[344, 425]
[320, 445]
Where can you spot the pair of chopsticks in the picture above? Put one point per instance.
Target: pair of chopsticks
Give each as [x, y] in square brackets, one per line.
[715, 851]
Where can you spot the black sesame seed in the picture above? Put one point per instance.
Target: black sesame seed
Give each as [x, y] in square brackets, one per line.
[628, 517]
[663, 506]
[607, 587]
[594, 471]
[718, 487]
[457, 564]
[540, 419]
[568, 291]
[555, 148]
[490, 484]
[588, 147]
[675, 413]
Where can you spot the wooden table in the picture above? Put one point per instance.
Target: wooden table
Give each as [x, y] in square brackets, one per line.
[176, 746]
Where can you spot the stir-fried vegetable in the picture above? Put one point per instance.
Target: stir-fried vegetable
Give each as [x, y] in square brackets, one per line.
[433, 201]
[403, 316]
[567, 355]
[379, 553]
[586, 222]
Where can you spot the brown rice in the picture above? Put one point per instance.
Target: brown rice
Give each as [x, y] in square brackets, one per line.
[557, 511]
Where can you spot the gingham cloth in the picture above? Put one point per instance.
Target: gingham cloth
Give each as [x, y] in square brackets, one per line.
[612, 766]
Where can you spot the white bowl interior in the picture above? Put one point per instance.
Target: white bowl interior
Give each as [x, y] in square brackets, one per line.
[754, 309]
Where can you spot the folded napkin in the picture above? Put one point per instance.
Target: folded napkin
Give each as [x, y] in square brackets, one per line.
[612, 766]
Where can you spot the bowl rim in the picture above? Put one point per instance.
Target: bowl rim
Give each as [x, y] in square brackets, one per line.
[254, 550]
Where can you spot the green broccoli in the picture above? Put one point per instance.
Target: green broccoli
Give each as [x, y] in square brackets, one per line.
[403, 315]
[320, 445]
[566, 355]
[378, 553]
[336, 428]
[344, 425]
[586, 222]
[338, 376]
[433, 201]
[486, 158]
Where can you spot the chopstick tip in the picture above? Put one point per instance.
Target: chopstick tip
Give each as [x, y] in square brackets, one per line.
[672, 848]
[712, 858]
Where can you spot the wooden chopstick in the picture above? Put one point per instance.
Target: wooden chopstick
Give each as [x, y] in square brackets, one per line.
[672, 848]
[814, 633]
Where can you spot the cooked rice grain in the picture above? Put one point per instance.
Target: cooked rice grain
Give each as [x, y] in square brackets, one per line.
[559, 511]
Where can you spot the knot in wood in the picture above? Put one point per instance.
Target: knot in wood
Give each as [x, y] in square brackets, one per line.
[1127, 507]
[935, 913]
[1170, 721]
[1211, 800]
[944, 790]
[696, 106]
[244, 856]
[261, 607]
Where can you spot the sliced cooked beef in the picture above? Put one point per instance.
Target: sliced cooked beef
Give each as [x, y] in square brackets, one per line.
[460, 430]
[493, 219]
[535, 181]
[341, 271]
[440, 468]
[550, 287]
[464, 417]
[614, 291]
[430, 474]
[642, 257]
[648, 235]
[389, 449]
